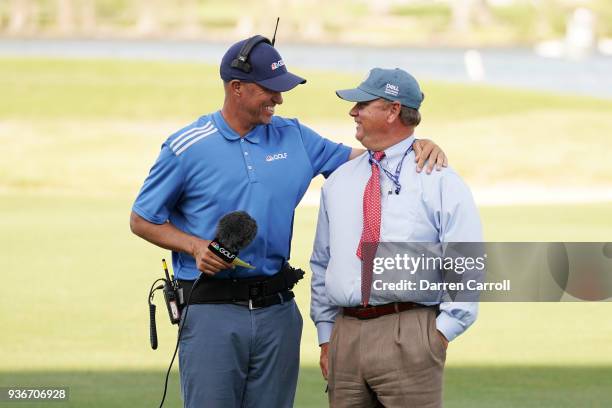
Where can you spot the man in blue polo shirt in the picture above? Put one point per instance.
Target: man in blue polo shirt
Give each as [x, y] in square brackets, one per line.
[239, 158]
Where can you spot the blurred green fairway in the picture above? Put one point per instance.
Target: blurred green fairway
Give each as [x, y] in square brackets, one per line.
[78, 138]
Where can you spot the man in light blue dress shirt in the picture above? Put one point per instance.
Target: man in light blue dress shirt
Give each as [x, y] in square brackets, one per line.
[394, 354]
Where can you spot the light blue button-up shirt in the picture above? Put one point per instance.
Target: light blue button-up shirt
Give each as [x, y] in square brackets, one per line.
[429, 208]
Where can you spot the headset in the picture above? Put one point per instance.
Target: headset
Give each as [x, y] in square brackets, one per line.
[241, 61]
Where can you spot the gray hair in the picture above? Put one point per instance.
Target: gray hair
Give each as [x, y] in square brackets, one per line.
[408, 116]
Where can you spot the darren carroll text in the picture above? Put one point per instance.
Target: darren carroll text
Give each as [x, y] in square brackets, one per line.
[423, 284]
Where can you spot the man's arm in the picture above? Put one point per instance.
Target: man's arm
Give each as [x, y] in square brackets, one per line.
[322, 312]
[169, 237]
[425, 150]
[459, 222]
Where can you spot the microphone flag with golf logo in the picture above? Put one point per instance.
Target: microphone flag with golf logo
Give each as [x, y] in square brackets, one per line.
[235, 231]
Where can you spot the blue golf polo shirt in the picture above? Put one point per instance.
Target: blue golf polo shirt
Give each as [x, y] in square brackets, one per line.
[207, 170]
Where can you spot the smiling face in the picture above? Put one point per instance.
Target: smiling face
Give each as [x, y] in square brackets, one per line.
[372, 119]
[258, 103]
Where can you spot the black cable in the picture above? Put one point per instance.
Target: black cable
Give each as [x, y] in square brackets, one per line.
[178, 339]
[152, 327]
[153, 290]
[152, 324]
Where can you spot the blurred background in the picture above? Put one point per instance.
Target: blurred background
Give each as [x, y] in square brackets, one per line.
[518, 94]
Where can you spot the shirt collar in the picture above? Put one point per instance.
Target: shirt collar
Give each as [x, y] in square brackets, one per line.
[230, 134]
[397, 150]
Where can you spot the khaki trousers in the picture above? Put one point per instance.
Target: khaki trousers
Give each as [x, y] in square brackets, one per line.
[391, 361]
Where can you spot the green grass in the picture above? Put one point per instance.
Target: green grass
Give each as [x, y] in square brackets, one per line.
[465, 387]
[80, 280]
[79, 136]
[55, 88]
[90, 110]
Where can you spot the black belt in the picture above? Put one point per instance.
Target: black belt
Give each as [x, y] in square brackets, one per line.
[256, 292]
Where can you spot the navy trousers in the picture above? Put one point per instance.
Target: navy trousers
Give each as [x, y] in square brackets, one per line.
[231, 356]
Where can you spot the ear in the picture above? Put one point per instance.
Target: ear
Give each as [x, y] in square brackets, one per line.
[235, 87]
[394, 112]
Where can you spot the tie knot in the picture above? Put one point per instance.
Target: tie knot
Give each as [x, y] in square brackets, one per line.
[379, 155]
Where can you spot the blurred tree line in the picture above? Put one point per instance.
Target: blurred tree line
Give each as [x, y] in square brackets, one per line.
[408, 22]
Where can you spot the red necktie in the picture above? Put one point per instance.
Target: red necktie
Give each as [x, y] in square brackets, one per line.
[371, 229]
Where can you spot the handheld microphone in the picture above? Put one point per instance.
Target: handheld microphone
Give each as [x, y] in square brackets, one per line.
[235, 231]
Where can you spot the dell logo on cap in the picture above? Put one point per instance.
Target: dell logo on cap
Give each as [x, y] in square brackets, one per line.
[392, 89]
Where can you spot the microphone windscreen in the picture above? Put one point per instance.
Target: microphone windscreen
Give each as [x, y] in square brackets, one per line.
[236, 230]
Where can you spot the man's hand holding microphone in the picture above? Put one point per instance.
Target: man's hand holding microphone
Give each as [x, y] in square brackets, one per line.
[206, 261]
[235, 231]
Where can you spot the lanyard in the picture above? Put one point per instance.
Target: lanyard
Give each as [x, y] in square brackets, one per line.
[393, 177]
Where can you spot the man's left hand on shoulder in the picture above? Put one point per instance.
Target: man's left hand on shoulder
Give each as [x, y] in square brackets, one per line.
[427, 150]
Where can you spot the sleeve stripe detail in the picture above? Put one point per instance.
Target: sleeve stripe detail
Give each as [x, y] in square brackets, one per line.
[201, 136]
[189, 132]
[193, 135]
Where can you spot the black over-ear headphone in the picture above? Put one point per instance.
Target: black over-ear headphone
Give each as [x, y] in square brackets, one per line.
[240, 62]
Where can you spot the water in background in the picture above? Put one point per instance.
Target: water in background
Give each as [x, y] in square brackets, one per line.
[515, 67]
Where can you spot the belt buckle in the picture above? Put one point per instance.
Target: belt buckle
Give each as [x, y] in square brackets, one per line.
[369, 313]
[251, 307]
[255, 291]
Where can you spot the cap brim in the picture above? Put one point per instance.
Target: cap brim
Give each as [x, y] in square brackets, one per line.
[282, 83]
[355, 95]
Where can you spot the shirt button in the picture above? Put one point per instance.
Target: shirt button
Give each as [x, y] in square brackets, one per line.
[241, 140]
[250, 168]
[246, 153]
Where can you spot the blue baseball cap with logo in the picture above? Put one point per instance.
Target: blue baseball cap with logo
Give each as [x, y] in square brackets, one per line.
[391, 84]
[267, 68]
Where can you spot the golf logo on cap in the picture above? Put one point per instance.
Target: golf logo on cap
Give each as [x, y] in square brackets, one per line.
[277, 64]
[392, 89]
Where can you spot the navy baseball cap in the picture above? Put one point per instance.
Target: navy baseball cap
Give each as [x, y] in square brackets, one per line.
[268, 68]
[391, 84]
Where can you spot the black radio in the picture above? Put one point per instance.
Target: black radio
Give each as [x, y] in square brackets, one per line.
[173, 296]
